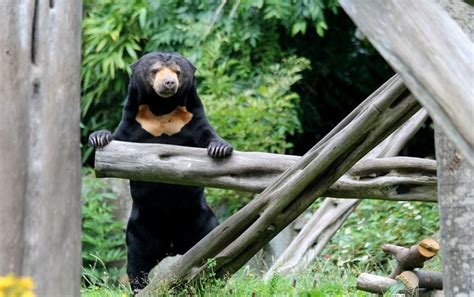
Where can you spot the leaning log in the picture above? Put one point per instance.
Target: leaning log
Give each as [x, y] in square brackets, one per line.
[242, 235]
[332, 213]
[431, 53]
[401, 178]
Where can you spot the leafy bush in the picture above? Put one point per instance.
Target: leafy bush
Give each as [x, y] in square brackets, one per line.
[112, 38]
[235, 47]
[103, 237]
[244, 78]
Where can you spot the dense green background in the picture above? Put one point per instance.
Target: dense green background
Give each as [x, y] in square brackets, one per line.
[274, 76]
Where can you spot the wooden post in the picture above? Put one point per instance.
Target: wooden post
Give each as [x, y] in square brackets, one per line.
[456, 208]
[40, 177]
[456, 188]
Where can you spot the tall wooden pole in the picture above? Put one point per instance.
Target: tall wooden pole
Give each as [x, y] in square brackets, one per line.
[40, 177]
[456, 189]
[435, 59]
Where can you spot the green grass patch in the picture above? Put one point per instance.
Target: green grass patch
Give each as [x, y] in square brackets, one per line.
[323, 279]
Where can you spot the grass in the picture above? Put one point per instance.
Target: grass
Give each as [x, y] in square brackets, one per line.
[354, 249]
[324, 279]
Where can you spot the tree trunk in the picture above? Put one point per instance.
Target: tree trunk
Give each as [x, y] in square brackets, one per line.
[40, 209]
[456, 189]
[456, 210]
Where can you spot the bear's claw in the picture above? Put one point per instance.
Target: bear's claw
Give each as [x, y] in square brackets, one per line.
[100, 138]
[217, 150]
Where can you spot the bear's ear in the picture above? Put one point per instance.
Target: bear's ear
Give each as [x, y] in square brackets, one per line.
[133, 66]
[193, 68]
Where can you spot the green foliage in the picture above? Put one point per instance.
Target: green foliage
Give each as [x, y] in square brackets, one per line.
[102, 236]
[236, 49]
[251, 75]
[374, 223]
[244, 77]
[112, 40]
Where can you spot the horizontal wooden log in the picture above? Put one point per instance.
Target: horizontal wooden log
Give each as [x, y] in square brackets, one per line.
[398, 178]
[190, 166]
[421, 279]
[379, 285]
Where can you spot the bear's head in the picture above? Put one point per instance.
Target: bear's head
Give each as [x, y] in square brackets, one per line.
[163, 73]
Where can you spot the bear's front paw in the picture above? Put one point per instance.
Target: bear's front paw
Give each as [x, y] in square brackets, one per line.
[100, 138]
[219, 149]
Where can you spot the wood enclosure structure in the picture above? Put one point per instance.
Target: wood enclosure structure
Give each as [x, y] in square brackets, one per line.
[432, 49]
[235, 241]
[333, 212]
[40, 168]
[433, 57]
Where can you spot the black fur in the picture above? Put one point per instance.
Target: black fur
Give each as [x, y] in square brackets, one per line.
[166, 219]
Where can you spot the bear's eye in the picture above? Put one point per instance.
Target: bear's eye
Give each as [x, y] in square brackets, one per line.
[178, 72]
[156, 69]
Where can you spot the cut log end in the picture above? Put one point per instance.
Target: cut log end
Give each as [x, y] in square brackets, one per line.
[428, 248]
[409, 280]
[417, 283]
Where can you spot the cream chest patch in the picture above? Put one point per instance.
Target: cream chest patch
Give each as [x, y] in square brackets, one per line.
[168, 124]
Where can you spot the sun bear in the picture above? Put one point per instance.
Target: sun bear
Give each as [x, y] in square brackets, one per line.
[163, 107]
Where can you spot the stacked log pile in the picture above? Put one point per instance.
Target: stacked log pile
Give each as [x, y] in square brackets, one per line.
[407, 272]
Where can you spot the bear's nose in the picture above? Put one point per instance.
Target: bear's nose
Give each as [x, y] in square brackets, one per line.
[169, 83]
